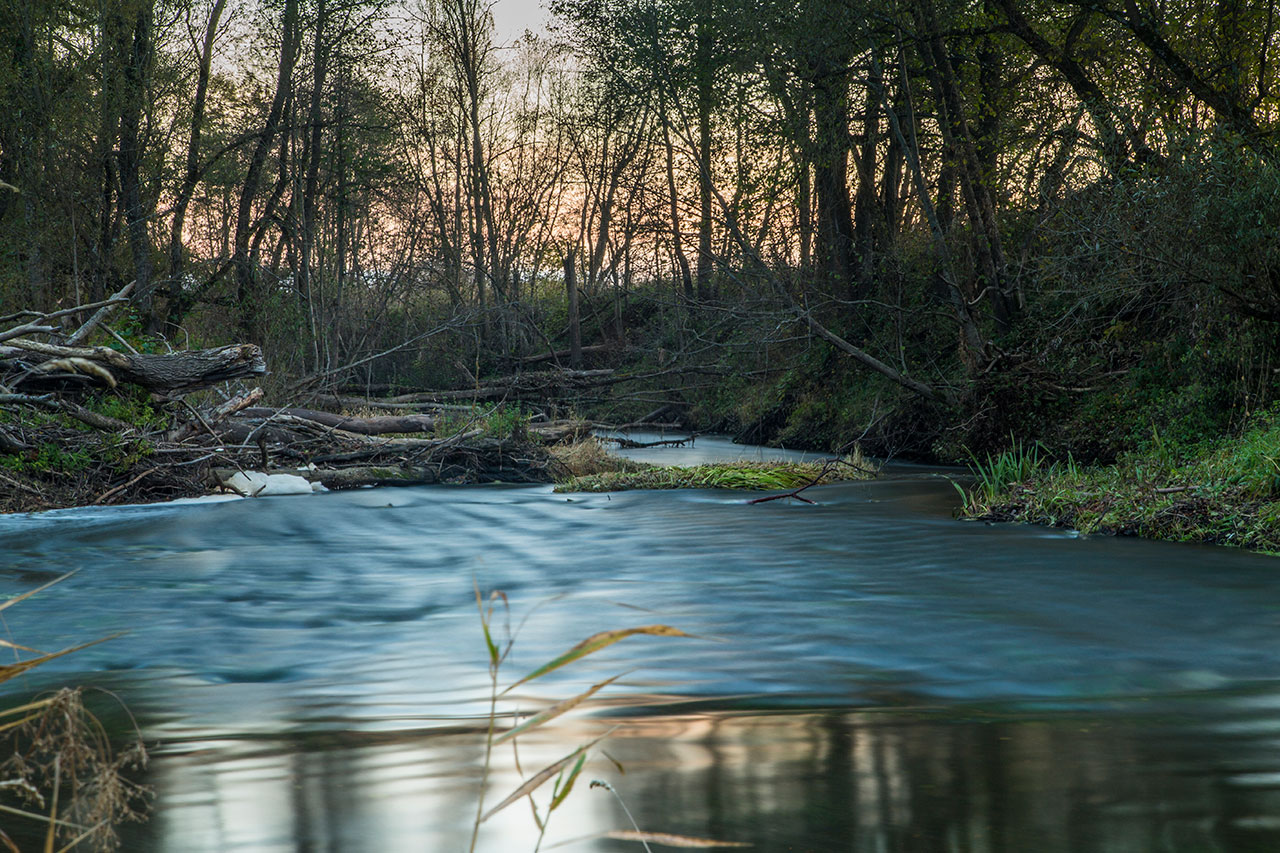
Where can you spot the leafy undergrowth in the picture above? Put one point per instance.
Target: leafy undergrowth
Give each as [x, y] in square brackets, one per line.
[1225, 493]
[744, 476]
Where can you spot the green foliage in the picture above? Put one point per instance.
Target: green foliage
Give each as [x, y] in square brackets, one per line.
[995, 474]
[49, 458]
[129, 326]
[130, 404]
[507, 422]
[123, 453]
[503, 421]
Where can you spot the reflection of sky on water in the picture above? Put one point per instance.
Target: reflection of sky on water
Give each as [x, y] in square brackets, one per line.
[699, 450]
[309, 663]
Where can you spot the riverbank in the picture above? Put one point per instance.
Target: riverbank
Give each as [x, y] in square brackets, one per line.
[1223, 492]
[164, 453]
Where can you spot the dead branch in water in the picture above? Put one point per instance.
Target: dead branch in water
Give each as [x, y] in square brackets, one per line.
[827, 468]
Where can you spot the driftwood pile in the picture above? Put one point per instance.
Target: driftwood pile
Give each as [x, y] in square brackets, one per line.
[82, 424]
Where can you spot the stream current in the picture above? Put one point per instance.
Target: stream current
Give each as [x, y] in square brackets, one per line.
[868, 673]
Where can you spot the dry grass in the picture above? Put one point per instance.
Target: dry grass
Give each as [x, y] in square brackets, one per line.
[61, 761]
[62, 764]
[587, 456]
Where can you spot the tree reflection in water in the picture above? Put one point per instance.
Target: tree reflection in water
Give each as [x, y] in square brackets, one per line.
[859, 781]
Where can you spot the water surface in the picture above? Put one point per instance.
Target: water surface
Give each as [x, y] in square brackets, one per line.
[869, 674]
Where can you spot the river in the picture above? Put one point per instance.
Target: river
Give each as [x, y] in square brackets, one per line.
[868, 674]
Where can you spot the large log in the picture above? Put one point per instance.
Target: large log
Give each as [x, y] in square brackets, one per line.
[480, 460]
[566, 354]
[379, 425]
[170, 374]
[539, 384]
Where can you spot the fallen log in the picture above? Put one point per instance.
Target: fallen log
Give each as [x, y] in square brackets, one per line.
[538, 384]
[628, 444]
[168, 374]
[565, 354]
[330, 401]
[478, 461]
[652, 426]
[354, 477]
[557, 431]
[378, 425]
[235, 404]
[206, 421]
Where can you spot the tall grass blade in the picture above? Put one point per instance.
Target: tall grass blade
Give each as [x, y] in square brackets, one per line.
[12, 601]
[540, 778]
[13, 670]
[8, 645]
[595, 643]
[53, 809]
[484, 623]
[30, 706]
[670, 840]
[568, 785]
[37, 816]
[554, 711]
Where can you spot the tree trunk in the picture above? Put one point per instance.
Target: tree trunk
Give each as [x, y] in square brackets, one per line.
[311, 182]
[704, 81]
[575, 326]
[677, 240]
[137, 73]
[178, 304]
[973, 183]
[831, 171]
[248, 297]
[167, 373]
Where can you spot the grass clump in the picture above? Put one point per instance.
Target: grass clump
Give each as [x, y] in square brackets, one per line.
[1225, 492]
[743, 476]
[587, 456]
[62, 769]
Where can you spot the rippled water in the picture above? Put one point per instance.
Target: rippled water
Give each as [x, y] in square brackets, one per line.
[869, 673]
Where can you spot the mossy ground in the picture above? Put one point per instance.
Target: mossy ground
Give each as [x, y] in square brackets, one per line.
[742, 475]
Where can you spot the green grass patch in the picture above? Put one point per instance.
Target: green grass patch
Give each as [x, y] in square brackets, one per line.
[501, 421]
[1228, 492]
[742, 476]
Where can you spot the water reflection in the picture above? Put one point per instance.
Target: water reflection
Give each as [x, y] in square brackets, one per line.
[909, 781]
